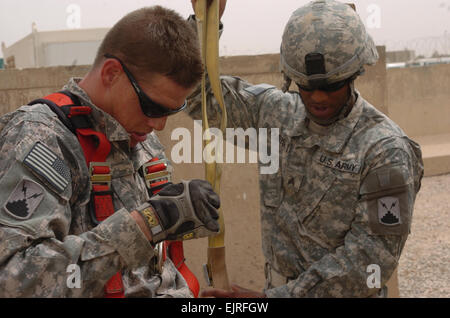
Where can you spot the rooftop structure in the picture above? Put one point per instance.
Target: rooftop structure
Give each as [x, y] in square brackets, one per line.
[54, 48]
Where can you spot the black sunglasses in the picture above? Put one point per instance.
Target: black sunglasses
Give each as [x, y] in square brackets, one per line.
[148, 106]
[327, 88]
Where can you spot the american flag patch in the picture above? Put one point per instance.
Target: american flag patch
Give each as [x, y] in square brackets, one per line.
[44, 162]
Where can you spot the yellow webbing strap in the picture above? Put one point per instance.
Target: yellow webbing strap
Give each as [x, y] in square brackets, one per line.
[208, 31]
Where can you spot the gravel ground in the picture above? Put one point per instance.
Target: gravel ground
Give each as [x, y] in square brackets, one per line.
[424, 269]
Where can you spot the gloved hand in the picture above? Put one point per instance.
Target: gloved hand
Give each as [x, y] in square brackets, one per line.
[182, 211]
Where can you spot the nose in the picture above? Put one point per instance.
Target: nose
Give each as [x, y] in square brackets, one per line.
[157, 123]
[318, 96]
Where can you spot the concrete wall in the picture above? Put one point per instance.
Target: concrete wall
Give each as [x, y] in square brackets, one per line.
[255, 69]
[400, 56]
[419, 99]
[240, 189]
[240, 203]
[266, 69]
[18, 87]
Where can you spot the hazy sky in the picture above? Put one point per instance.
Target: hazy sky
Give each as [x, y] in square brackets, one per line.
[251, 26]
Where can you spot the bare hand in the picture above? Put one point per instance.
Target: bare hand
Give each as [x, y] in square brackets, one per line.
[222, 5]
[236, 292]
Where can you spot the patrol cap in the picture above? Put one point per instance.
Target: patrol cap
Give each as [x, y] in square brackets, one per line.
[325, 42]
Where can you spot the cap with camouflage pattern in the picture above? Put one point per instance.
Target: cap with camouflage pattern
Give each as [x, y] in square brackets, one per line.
[333, 30]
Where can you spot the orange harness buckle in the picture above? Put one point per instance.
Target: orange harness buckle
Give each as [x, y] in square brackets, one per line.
[156, 175]
[101, 193]
[100, 173]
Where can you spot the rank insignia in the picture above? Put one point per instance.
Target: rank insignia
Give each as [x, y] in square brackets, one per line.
[24, 200]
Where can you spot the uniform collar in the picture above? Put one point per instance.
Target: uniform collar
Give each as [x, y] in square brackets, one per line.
[337, 134]
[102, 121]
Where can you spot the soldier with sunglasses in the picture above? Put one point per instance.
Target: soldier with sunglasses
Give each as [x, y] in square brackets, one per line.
[51, 243]
[342, 200]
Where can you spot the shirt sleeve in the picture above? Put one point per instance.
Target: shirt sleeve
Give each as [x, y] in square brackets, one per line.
[246, 103]
[38, 255]
[373, 245]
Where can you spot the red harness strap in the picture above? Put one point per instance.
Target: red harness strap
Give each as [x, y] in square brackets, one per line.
[156, 177]
[96, 148]
[176, 253]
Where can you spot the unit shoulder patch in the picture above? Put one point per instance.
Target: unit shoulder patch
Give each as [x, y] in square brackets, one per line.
[258, 89]
[389, 215]
[24, 200]
[48, 165]
[389, 211]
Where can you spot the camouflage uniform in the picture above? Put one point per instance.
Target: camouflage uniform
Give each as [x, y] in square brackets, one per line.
[319, 212]
[343, 197]
[36, 248]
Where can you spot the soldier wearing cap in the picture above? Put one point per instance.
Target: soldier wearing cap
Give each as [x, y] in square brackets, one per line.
[51, 245]
[342, 201]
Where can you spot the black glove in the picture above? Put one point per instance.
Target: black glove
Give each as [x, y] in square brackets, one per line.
[184, 211]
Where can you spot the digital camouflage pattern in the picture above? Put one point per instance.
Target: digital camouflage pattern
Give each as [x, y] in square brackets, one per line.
[343, 197]
[35, 253]
[319, 212]
[333, 29]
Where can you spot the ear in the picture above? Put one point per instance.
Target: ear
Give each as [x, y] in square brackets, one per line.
[110, 72]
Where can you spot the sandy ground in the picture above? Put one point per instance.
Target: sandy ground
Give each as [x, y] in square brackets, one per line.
[424, 265]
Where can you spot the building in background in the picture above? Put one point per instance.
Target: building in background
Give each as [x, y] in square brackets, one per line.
[2, 64]
[400, 56]
[408, 58]
[54, 48]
